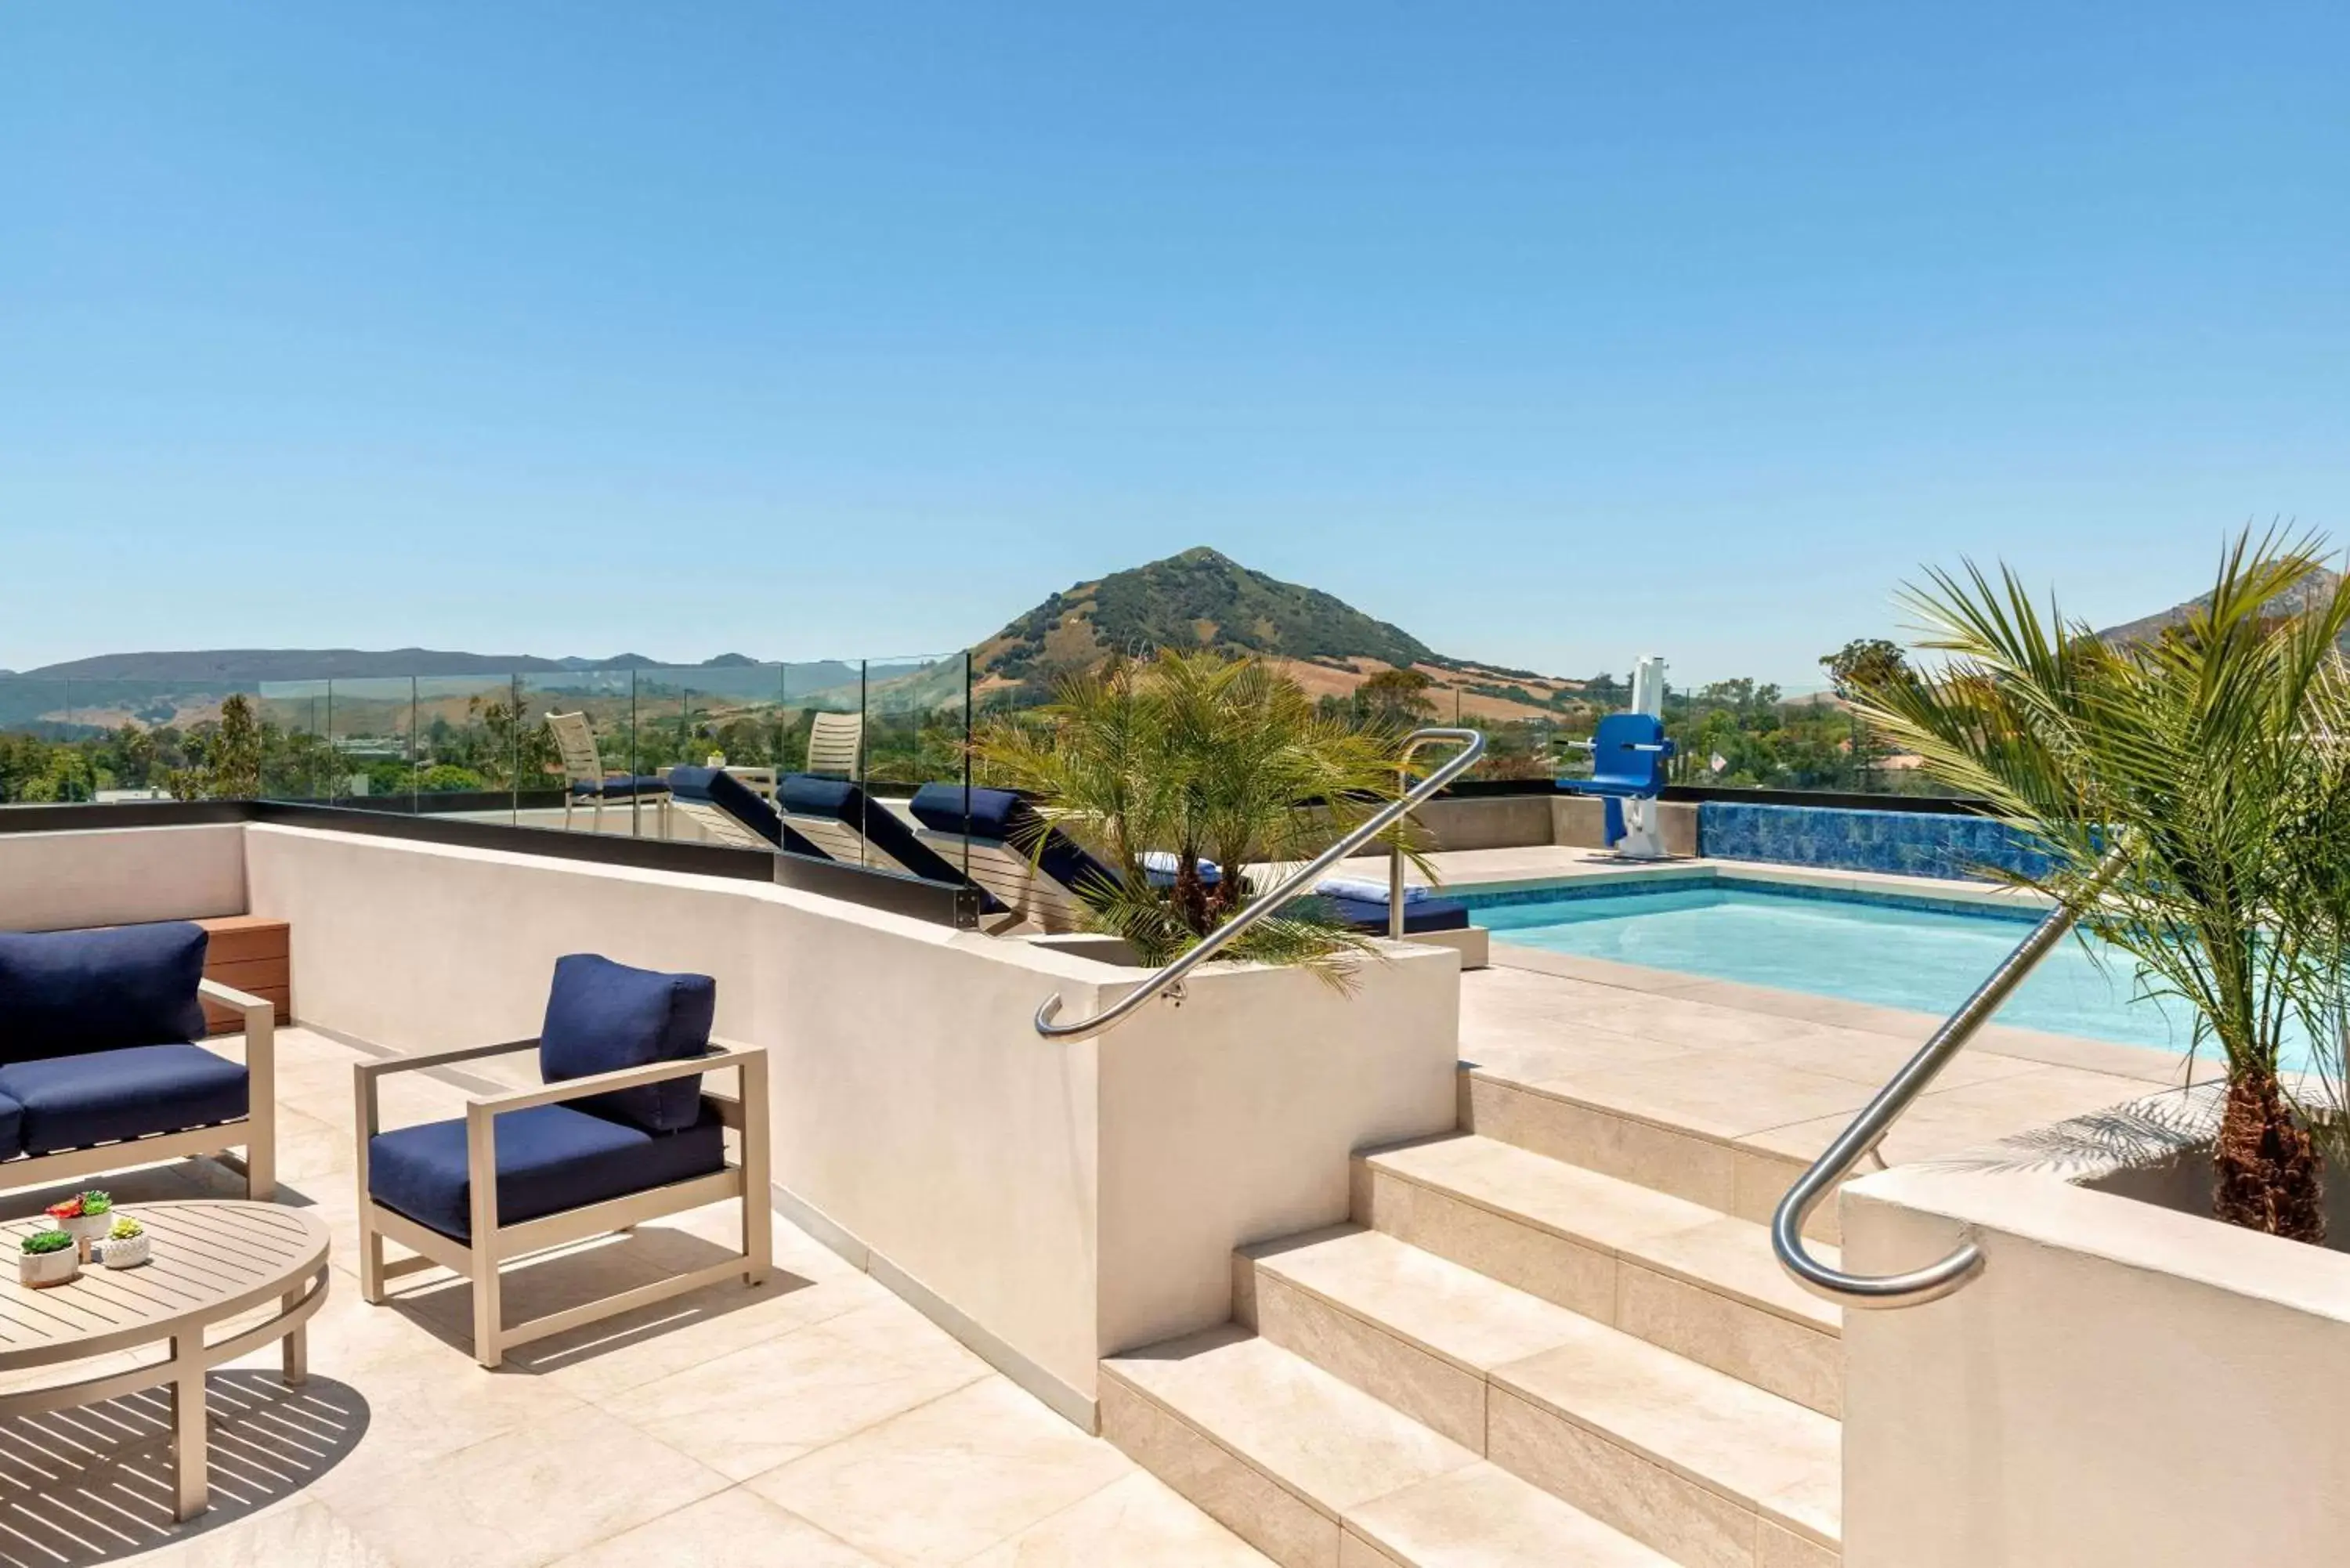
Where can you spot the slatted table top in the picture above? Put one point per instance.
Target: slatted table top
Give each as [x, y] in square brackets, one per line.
[210, 1257]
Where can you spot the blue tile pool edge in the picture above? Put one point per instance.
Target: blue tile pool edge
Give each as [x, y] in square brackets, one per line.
[1655, 883]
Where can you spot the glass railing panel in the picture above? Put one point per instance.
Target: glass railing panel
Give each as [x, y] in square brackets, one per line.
[465, 732]
[289, 751]
[371, 731]
[917, 727]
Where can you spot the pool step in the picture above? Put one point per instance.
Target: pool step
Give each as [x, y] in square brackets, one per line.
[1719, 1173]
[1316, 1473]
[1688, 1460]
[1689, 1279]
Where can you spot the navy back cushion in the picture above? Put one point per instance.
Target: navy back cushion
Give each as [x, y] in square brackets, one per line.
[602, 1017]
[64, 993]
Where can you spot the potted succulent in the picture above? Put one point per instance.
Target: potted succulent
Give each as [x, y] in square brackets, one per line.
[85, 1217]
[125, 1246]
[47, 1258]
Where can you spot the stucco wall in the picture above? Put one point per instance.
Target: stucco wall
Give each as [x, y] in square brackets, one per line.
[2123, 1385]
[113, 876]
[1052, 1201]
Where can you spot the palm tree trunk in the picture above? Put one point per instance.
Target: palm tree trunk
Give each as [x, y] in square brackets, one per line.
[2270, 1175]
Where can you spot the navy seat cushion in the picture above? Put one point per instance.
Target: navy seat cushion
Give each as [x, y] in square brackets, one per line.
[1419, 914]
[811, 794]
[643, 783]
[1003, 815]
[64, 992]
[12, 1128]
[549, 1158]
[73, 1101]
[602, 1017]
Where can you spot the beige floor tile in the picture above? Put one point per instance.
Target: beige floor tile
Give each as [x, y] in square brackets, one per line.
[1700, 1170]
[1440, 1395]
[1262, 1512]
[1567, 1272]
[986, 1461]
[313, 1150]
[1947, 1122]
[1135, 1523]
[1720, 1094]
[1733, 1257]
[529, 1496]
[1691, 1525]
[305, 1533]
[605, 1362]
[1484, 1517]
[773, 1402]
[734, 1528]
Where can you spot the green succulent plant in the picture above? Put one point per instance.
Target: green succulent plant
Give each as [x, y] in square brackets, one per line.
[41, 1242]
[125, 1229]
[94, 1203]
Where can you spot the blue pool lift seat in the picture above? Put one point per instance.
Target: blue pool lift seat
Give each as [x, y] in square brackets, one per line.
[1628, 752]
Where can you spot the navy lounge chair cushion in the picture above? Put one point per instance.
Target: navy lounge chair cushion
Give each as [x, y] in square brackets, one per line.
[64, 993]
[602, 1017]
[12, 1128]
[1419, 914]
[622, 788]
[549, 1158]
[812, 795]
[1003, 815]
[73, 1101]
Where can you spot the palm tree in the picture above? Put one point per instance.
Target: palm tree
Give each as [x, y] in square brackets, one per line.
[2196, 754]
[1207, 759]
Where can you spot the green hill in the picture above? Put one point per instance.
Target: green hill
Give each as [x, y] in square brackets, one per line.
[1200, 598]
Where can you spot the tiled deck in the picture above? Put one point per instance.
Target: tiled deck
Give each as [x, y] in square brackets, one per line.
[818, 1422]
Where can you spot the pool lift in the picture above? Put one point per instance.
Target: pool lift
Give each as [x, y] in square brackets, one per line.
[1628, 752]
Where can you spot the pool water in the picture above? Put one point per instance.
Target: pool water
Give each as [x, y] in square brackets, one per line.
[1924, 957]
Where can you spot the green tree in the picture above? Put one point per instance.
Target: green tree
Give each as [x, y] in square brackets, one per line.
[231, 758]
[1203, 758]
[2193, 756]
[1395, 697]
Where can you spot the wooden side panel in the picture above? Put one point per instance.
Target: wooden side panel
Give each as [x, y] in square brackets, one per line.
[253, 954]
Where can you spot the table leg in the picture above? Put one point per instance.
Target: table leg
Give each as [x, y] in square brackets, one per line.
[189, 1455]
[298, 1343]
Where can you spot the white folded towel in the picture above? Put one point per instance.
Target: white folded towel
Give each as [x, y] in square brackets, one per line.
[1368, 891]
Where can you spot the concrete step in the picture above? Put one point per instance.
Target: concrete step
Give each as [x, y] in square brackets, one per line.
[1703, 1467]
[1314, 1473]
[1726, 1173]
[1678, 1275]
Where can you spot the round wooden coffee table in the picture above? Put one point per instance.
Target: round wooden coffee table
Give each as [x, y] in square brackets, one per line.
[211, 1260]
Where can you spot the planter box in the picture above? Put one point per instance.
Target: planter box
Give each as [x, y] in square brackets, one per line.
[2126, 1382]
[128, 1253]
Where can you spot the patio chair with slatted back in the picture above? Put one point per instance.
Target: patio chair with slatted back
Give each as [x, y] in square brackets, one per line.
[584, 774]
[836, 745]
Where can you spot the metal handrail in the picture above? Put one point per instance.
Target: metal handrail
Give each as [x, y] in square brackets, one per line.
[1935, 1281]
[1473, 746]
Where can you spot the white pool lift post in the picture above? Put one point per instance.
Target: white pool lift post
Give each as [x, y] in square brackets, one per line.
[1628, 768]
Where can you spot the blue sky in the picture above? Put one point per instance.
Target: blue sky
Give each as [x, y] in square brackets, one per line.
[1552, 332]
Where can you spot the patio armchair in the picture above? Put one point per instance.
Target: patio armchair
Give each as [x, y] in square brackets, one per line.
[621, 1132]
[585, 778]
[100, 1068]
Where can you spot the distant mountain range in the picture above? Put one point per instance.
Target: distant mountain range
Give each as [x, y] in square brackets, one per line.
[252, 664]
[1200, 598]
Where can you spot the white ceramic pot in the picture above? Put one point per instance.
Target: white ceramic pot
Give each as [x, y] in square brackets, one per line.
[86, 1229]
[42, 1270]
[127, 1253]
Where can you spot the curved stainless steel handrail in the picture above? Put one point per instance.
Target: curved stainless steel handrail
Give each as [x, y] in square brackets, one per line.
[1473, 746]
[1935, 1281]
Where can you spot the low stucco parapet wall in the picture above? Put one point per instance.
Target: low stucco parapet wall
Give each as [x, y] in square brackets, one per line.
[2122, 1385]
[121, 876]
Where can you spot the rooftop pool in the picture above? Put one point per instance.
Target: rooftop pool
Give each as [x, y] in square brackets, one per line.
[1924, 954]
